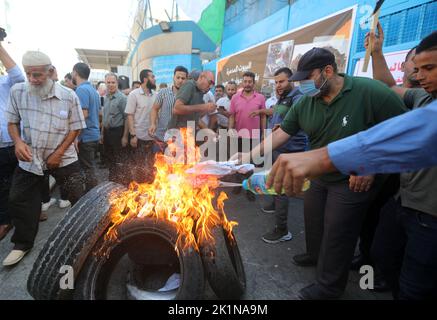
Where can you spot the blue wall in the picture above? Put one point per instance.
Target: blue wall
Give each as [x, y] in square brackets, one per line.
[239, 36]
[164, 66]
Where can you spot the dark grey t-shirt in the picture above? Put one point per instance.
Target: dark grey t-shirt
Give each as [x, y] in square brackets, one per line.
[419, 189]
[191, 96]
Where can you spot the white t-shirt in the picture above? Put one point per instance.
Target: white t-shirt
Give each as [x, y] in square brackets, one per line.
[207, 98]
[271, 102]
[226, 103]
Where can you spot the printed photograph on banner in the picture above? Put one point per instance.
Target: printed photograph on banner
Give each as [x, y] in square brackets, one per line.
[338, 46]
[278, 56]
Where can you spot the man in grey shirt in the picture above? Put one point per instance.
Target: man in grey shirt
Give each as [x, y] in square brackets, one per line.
[190, 105]
[115, 131]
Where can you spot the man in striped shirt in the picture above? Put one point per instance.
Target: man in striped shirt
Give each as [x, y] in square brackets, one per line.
[165, 100]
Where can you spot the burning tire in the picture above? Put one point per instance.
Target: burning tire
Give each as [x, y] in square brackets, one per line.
[138, 264]
[223, 266]
[71, 242]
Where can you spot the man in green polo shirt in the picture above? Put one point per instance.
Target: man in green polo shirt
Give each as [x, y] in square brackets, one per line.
[335, 106]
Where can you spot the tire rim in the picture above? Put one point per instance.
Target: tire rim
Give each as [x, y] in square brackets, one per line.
[109, 282]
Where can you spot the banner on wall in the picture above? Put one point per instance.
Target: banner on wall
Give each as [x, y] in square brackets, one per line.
[164, 66]
[333, 33]
[394, 63]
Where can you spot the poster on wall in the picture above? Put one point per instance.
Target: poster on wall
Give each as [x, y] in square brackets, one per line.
[333, 33]
[338, 46]
[278, 56]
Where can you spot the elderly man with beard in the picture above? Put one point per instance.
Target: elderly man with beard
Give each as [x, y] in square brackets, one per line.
[51, 118]
[139, 106]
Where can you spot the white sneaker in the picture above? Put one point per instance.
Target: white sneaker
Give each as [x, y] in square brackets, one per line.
[46, 206]
[64, 204]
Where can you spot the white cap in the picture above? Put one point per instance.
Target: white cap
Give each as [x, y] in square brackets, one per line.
[36, 59]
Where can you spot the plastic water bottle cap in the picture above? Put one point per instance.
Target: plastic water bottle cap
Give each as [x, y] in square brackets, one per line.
[246, 184]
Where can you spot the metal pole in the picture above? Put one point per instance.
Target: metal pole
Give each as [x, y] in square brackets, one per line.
[177, 12]
[150, 11]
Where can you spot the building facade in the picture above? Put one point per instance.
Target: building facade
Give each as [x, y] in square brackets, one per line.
[251, 24]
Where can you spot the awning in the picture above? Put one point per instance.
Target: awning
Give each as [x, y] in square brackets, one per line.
[102, 59]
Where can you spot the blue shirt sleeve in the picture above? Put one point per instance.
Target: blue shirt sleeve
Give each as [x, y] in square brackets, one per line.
[84, 98]
[401, 144]
[15, 76]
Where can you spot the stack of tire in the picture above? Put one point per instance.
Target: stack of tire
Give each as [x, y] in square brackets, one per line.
[81, 233]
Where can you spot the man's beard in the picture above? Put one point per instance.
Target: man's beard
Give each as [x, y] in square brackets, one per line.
[413, 83]
[42, 90]
[151, 86]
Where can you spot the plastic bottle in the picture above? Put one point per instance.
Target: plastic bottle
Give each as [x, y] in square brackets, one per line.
[257, 184]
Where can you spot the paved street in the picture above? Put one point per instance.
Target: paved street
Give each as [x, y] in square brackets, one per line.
[269, 270]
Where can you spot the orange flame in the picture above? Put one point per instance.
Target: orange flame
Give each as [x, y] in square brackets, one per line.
[183, 199]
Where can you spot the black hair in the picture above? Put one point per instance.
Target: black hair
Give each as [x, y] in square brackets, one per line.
[180, 69]
[136, 82]
[99, 83]
[220, 86]
[232, 83]
[285, 70]
[410, 53]
[68, 76]
[83, 70]
[429, 43]
[144, 74]
[249, 74]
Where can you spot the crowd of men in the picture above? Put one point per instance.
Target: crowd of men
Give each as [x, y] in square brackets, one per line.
[53, 129]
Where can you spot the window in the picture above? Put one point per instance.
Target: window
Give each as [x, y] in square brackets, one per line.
[412, 24]
[430, 19]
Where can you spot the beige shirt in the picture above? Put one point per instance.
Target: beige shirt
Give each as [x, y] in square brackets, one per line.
[139, 104]
[46, 123]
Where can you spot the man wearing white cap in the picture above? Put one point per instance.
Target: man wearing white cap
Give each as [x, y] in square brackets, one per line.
[51, 118]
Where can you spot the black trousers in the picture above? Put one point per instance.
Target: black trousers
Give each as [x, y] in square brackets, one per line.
[8, 163]
[117, 156]
[333, 219]
[87, 154]
[26, 196]
[389, 188]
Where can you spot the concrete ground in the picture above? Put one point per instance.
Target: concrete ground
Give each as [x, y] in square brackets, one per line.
[270, 273]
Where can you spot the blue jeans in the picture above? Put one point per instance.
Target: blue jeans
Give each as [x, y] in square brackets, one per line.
[405, 250]
[418, 279]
